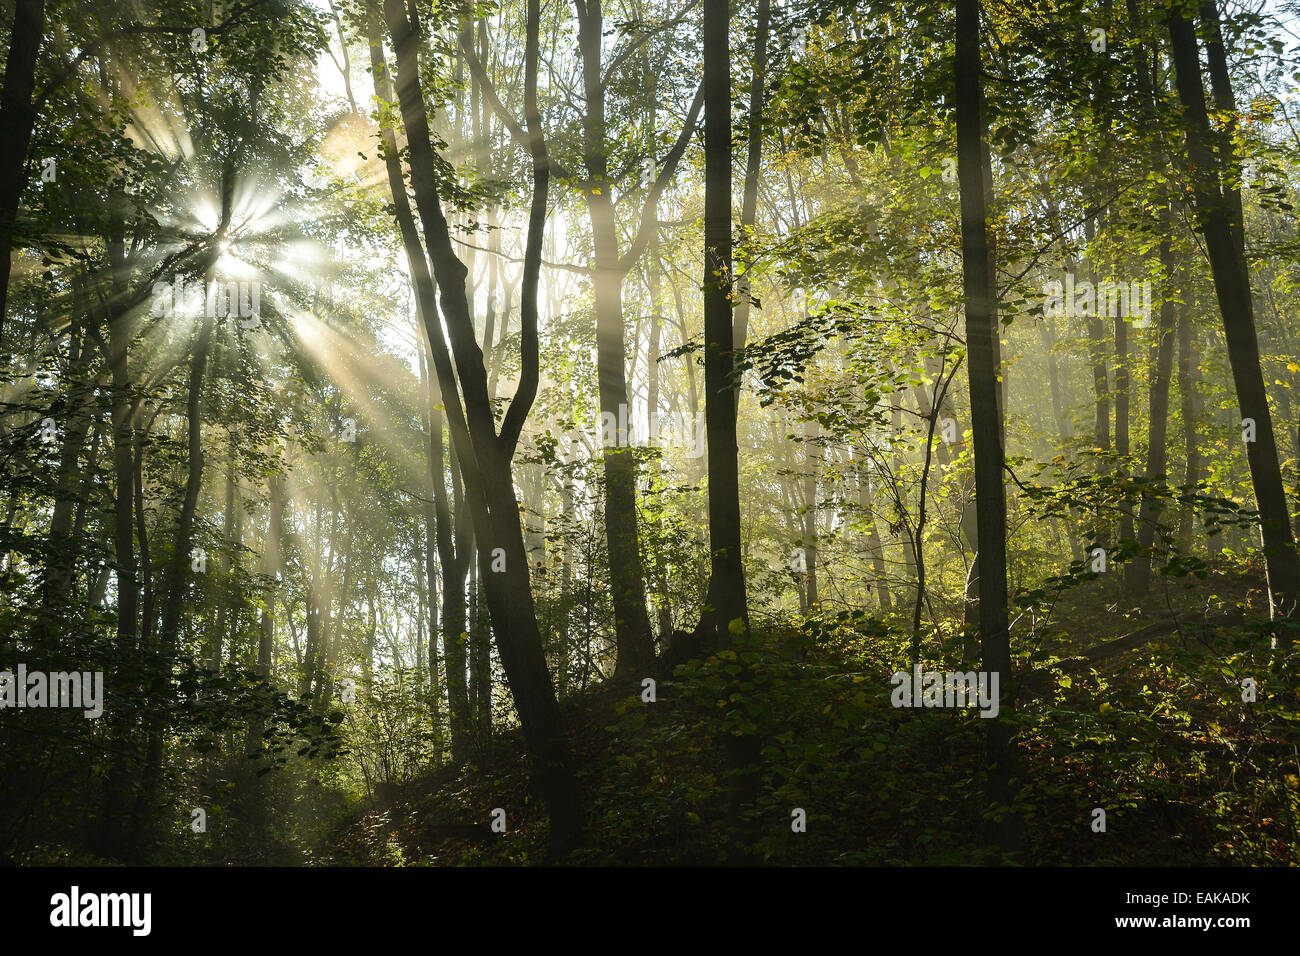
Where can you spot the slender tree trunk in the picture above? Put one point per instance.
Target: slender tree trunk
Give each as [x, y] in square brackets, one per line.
[430, 529]
[111, 837]
[978, 288]
[874, 545]
[142, 537]
[1188, 359]
[753, 168]
[455, 549]
[813, 464]
[568, 555]
[227, 561]
[1158, 428]
[176, 579]
[271, 569]
[635, 648]
[725, 611]
[178, 570]
[63, 546]
[1123, 445]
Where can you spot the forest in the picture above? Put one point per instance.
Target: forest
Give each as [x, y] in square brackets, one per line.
[649, 433]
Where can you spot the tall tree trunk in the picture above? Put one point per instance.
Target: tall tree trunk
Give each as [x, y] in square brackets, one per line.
[908, 591]
[452, 538]
[1218, 209]
[481, 669]
[1189, 408]
[568, 554]
[725, 599]
[724, 611]
[331, 647]
[485, 456]
[142, 537]
[178, 570]
[635, 647]
[1100, 375]
[978, 289]
[455, 551]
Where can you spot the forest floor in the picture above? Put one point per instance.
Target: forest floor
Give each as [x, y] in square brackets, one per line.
[1149, 727]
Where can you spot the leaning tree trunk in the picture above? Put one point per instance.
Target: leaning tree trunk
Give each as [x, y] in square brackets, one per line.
[1218, 211]
[486, 456]
[452, 538]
